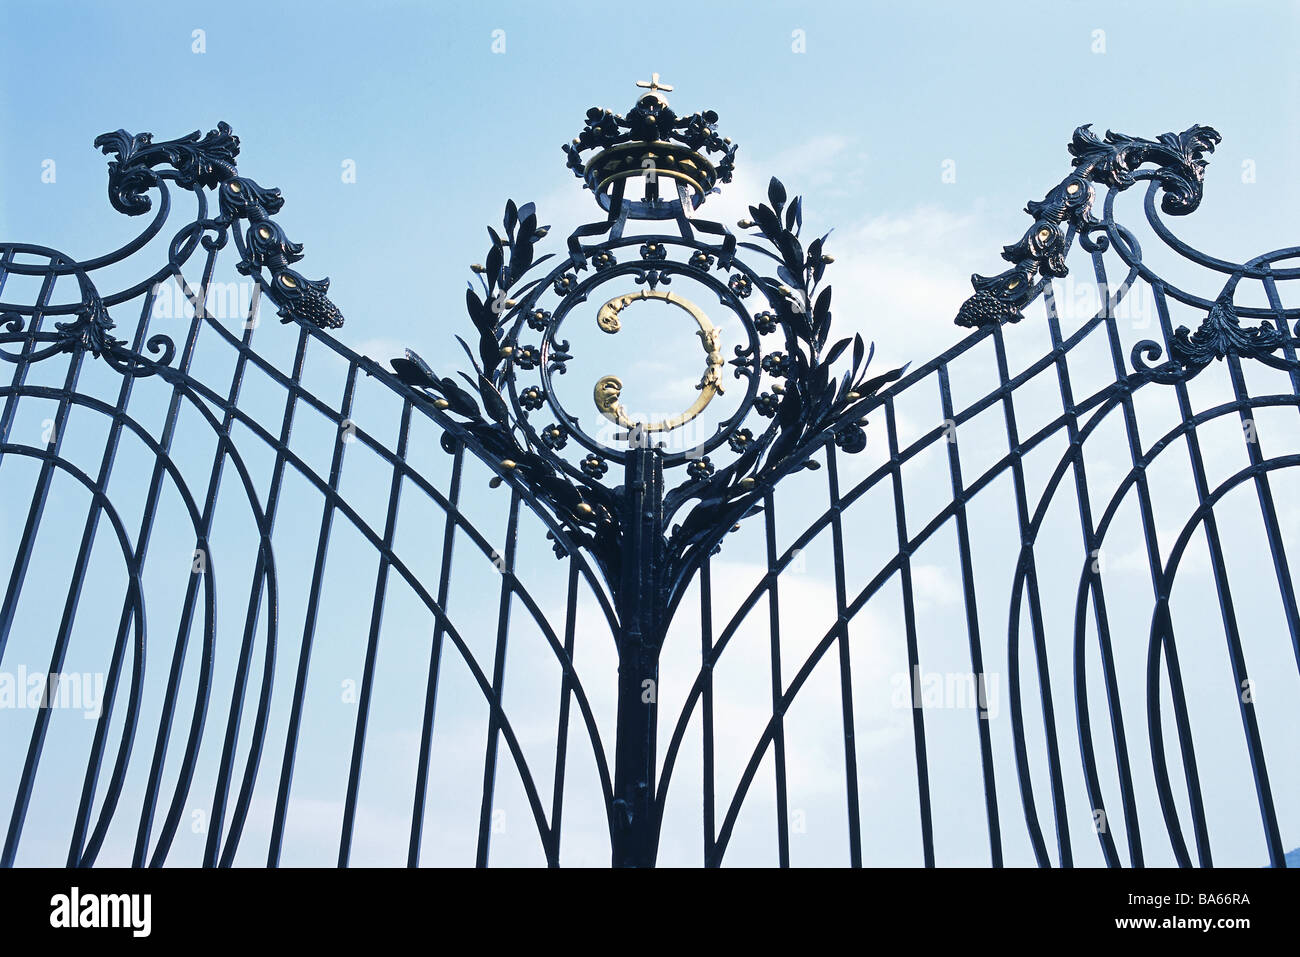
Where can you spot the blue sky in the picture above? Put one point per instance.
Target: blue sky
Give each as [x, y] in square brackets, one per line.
[440, 130]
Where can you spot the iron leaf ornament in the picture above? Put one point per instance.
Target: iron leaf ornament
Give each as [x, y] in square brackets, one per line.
[1221, 334]
[1112, 162]
[812, 405]
[198, 162]
[586, 508]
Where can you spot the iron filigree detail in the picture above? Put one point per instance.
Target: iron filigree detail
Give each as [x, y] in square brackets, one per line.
[1109, 162]
[198, 162]
[90, 330]
[809, 405]
[209, 162]
[652, 137]
[587, 508]
[266, 246]
[1219, 335]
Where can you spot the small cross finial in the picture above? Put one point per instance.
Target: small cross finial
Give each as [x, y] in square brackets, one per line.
[654, 85]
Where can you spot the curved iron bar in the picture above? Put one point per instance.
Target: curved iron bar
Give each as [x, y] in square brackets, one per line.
[1087, 576]
[888, 570]
[1106, 400]
[478, 541]
[136, 594]
[400, 567]
[167, 464]
[1162, 640]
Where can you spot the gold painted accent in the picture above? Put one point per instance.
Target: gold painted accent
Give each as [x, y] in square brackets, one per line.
[584, 509]
[852, 395]
[624, 162]
[1043, 234]
[654, 85]
[440, 403]
[747, 483]
[638, 172]
[507, 464]
[289, 281]
[235, 188]
[609, 388]
[264, 233]
[1013, 284]
[1072, 188]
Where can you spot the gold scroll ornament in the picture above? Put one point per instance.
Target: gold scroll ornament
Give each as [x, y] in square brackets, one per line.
[609, 388]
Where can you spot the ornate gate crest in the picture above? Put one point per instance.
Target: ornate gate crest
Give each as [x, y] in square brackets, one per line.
[650, 528]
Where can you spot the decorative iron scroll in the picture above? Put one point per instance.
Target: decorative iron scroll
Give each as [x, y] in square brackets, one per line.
[1067, 212]
[91, 330]
[198, 162]
[195, 164]
[1109, 162]
[210, 162]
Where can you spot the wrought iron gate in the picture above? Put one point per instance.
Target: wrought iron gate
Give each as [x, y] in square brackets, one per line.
[904, 523]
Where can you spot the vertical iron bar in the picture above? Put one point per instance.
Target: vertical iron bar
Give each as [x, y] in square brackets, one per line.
[194, 742]
[1119, 739]
[435, 659]
[1098, 595]
[162, 740]
[216, 819]
[913, 653]
[43, 483]
[1035, 615]
[1250, 722]
[972, 621]
[845, 662]
[309, 625]
[562, 725]
[498, 681]
[778, 711]
[255, 599]
[19, 571]
[706, 711]
[372, 644]
[640, 601]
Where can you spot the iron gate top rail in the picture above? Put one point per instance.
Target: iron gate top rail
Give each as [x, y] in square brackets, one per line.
[636, 542]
